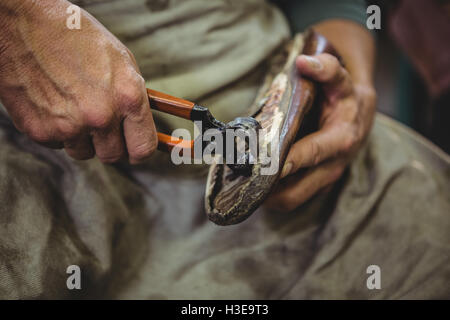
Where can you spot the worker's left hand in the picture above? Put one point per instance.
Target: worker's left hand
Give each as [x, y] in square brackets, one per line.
[346, 118]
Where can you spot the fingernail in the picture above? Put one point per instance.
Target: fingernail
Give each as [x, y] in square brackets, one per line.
[313, 62]
[286, 169]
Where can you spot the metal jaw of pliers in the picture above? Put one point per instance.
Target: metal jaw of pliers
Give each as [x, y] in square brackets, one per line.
[191, 111]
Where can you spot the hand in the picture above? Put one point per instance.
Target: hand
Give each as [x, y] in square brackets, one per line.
[346, 118]
[80, 90]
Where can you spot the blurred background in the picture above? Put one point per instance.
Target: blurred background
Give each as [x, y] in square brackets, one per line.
[413, 65]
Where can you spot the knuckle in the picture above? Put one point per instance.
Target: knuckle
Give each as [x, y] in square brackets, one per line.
[21, 123]
[334, 62]
[341, 75]
[66, 130]
[99, 119]
[38, 134]
[130, 97]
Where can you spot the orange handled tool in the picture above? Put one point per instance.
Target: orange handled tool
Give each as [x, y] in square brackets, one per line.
[191, 111]
[184, 109]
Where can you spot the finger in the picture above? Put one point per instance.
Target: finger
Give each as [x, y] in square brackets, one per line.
[109, 143]
[140, 135]
[40, 132]
[317, 147]
[298, 188]
[325, 68]
[80, 148]
[138, 126]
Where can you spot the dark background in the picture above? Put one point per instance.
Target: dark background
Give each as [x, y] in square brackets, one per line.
[401, 88]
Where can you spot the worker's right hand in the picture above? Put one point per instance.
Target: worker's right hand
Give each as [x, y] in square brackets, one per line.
[80, 90]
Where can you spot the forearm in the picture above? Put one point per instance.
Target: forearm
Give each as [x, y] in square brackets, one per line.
[356, 46]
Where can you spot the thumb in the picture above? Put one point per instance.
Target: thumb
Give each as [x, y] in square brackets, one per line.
[326, 69]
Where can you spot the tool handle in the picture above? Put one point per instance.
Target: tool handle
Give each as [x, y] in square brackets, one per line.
[169, 104]
[177, 107]
[166, 143]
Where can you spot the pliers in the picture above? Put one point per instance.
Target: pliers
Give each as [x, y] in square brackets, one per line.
[192, 111]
